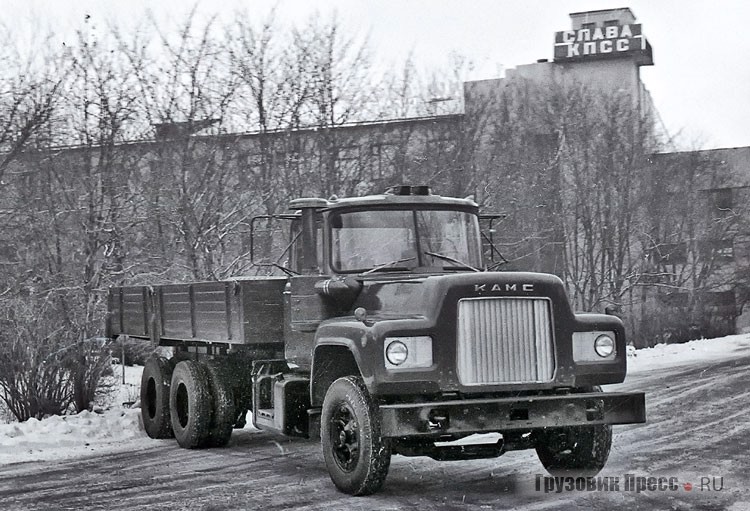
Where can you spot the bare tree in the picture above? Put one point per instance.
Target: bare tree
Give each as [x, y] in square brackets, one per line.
[696, 219]
[185, 90]
[341, 87]
[271, 94]
[572, 168]
[29, 88]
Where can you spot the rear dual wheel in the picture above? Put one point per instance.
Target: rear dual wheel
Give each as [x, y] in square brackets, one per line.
[190, 404]
[201, 405]
[155, 384]
[224, 416]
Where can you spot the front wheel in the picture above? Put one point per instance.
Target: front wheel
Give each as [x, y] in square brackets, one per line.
[356, 456]
[575, 450]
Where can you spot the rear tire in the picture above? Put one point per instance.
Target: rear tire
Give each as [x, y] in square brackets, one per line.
[575, 450]
[356, 456]
[190, 404]
[155, 384]
[224, 416]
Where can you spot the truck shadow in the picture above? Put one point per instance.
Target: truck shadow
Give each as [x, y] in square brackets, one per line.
[255, 438]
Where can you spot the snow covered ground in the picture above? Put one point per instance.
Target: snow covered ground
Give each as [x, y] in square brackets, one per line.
[118, 427]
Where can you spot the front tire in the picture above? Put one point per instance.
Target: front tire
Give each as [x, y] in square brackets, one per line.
[190, 404]
[356, 456]
[155, 384]
[575, 450]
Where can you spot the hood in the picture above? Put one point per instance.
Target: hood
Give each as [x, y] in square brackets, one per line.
[409, 296]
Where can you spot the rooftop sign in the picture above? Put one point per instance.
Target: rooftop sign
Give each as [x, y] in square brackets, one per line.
[603, 42]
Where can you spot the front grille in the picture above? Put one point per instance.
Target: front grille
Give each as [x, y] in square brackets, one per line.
[504, 340]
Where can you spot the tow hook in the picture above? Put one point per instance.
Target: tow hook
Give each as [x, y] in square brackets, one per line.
[437, 420]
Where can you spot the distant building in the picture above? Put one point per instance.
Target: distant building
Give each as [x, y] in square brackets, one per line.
[603, 49]
[696, 278]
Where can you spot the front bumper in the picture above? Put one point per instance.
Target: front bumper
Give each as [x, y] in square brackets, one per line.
[511, 414]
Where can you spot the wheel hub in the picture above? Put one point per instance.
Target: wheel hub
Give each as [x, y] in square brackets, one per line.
[151, 398]
[345, 437]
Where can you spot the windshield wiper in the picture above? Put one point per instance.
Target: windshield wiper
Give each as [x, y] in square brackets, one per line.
[451, 260]
[386, 265]
[498, 264]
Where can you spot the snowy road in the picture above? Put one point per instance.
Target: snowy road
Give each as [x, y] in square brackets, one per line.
[698, 427]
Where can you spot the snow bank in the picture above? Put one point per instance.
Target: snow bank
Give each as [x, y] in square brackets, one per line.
[60, 437]
[689, 353]
[69, 436]
[119, 428]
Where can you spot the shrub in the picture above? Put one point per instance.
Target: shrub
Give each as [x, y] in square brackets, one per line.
[45, 366]
[34, 379]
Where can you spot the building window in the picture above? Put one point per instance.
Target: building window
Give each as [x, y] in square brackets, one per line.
[293, 159]
[254, 162]
[348, 153]
[382, 158]
[721, 202]
[677, 299]
[669, 253]
[723, 198]
[718, 250]
[720, 299]
[441, 149]
[588, 26]
[612, 23]
[347, 160]
[657, 278]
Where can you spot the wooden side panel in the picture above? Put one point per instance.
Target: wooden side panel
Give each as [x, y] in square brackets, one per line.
[135, 312]
[175, 311]
[216, 311]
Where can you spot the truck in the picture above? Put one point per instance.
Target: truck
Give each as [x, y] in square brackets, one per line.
[386, 334]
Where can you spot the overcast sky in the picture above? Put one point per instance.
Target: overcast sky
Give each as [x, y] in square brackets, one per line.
[700, 81]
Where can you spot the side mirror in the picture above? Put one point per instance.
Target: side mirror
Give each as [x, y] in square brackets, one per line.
[496, 258]
[268, 239]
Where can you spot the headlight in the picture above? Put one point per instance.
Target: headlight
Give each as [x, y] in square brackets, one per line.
[407, 352]
[604, 345]
[396, 353]
[594, 346]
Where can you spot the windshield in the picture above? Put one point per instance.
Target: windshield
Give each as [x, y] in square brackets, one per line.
[401, 239]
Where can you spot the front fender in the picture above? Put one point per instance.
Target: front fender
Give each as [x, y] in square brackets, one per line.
[592, 373]
[364, 342]
[339, 350]
[355, 336]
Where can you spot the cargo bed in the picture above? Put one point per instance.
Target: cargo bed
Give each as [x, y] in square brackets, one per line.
[248, 311]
